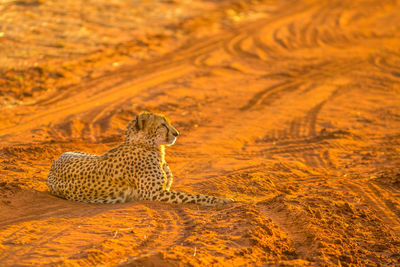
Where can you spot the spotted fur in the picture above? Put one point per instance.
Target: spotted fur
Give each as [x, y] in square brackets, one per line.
[135, 170]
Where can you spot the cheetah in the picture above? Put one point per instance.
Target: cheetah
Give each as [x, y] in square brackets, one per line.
[135, 170]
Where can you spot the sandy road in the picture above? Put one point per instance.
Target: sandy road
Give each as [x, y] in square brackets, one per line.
[294, 114]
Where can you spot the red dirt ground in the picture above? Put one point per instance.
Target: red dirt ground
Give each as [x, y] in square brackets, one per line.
[292, 108]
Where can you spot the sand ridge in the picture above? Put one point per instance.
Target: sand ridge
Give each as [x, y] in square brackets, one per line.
[289, 107]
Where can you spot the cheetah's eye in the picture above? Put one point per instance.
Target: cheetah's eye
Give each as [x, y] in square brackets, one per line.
[166, 127]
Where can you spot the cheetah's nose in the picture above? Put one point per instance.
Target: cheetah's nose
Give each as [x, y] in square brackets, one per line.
[175, 133]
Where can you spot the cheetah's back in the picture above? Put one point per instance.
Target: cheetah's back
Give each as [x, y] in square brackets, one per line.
[72, 174]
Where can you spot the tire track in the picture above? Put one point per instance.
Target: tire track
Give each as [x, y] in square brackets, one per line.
[54, 207]
[394, 211]
[381, 63]
[266, 95]
[139, 231]
[385, 213]
[16, 243]
[175, 225]
[108, 88]
[302, 133]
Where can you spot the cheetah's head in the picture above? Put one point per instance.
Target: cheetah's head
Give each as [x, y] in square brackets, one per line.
[151, 129]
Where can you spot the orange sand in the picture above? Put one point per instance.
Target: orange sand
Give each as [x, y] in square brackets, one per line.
[292, 108]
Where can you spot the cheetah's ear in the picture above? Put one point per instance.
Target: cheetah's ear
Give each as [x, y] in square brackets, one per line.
[137, 126]
[140, 122]
[133, 125]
